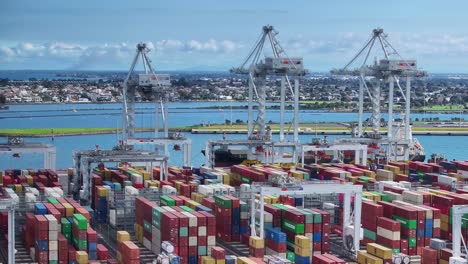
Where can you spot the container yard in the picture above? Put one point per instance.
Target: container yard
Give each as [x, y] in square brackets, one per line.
[275, 202]
[408, 212]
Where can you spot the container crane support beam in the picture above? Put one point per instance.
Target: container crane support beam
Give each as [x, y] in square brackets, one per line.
[349, 190]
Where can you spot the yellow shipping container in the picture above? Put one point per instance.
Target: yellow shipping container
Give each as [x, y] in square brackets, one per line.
[220, 261]
[274, 199]
[226, 178]
[197, 197]
[81, 257]
[146, 175]
[192, 204]
[107, 175]
[379, 251]
[303, 252]
[256, 242]
[69, 210]
[70, 172]
[366, 258]
[302, 241]
[208, 260]
[102, 191]
[441, 261]
[245, 260]
[444, 226]
[18, 188]
[119, 257]
[29, 180]
[444, 218]
[123, 236]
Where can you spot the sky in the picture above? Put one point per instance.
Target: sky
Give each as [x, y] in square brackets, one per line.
[218, 34]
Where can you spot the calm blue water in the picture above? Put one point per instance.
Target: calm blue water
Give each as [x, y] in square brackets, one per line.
[181, 114]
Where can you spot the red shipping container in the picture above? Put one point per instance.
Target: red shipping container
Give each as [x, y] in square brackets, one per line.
[234, 201]
[321, 259]
[429, 256]
[226, 212]
[183, 241]
[41, 256]
[445, 254]
[91, 235]
[317, 246]
[193, 230]
[412, 251]
[202, 241]
[102, 252]
[192, 250]
[183, 219]
[388, 243]
[211, 230]
[318, 227]
[404, 246]
[256, 252]
[183, 251]
[170, 220]
[388, 224]
[130, 251]
[210, 219]
[218, 253]
[71, 254]
[334, 258]
[41, 223]
[201, 219]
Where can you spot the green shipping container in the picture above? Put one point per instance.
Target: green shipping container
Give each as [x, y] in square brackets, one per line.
[202, 250]
[66, 225]
[245, 179]
[80, 244]
[412, 242]
[410, 224]
[68, 236]
[146, 226]
[156, 216]
[167, 201]
[317, 216]
[80, 221]
[396, 251]
[52, 200]
[290, 256]
[183, 231]
[222, 201]
[186, 208]
[292, 227]
[370, 234]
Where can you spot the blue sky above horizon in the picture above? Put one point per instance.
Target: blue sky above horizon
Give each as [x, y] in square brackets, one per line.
[217, 35]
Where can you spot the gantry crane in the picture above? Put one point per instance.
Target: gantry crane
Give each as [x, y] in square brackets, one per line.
[388, 70]
[257, 70]
[157, 84]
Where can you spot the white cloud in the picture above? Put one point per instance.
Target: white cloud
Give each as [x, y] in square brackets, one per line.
[78, 56]
[319, 52]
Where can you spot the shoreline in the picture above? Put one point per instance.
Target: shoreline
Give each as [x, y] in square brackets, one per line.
[237, 106]
[428, 132]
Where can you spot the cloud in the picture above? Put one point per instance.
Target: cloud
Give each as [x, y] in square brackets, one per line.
[77, 56]
[322, 52]
[209, 46]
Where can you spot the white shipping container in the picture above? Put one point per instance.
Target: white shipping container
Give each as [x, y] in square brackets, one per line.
[206, 190]
[202, 231]
[169, 190]
[446, 180]
[53, 224]
[53, 235]
[147, 243]
[388, 234]
[193, 220]
[53, 245]
[53, 255]
[211, 241]
[192, 241]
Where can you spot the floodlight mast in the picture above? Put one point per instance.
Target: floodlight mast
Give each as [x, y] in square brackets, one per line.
[280, 65]
[387, 70]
